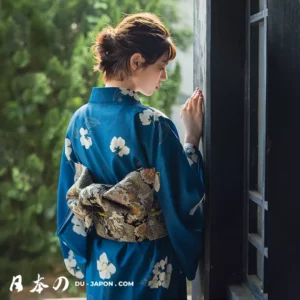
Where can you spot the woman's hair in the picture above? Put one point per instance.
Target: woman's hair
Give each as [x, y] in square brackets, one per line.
[143, 33]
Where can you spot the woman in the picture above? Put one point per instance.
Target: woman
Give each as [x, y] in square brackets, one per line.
[115, 134]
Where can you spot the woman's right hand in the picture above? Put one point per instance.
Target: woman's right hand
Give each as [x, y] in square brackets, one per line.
[192, 117]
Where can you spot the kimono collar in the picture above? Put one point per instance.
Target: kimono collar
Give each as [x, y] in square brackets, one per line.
[109, 94]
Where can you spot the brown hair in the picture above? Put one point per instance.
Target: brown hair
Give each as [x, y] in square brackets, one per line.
[143, 33]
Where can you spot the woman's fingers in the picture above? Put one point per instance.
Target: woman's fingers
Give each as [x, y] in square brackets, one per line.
[200, 103]
[194, 94]
[195, 102]
[195, 99]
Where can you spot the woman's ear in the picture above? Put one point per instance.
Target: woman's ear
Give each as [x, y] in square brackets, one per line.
[136, 60]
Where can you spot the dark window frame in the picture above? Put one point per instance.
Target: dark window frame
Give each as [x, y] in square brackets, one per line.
[255, 198]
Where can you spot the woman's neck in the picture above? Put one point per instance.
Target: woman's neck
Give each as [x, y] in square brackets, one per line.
[120, 84]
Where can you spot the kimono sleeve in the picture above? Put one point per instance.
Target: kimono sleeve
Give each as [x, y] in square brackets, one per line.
[70, 231]
[181, 188]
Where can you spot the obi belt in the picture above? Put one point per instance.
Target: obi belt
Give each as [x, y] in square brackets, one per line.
[127, 211]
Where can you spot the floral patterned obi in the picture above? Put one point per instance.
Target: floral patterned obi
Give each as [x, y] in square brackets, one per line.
[127, 211]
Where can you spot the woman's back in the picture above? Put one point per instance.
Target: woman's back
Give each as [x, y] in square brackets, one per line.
[105, 136]
[113, 135]
[122, 256]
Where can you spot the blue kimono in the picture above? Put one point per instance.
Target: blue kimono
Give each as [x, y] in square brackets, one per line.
[113, 135]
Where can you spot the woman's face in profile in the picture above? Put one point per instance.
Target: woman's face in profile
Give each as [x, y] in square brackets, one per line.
[150, 79]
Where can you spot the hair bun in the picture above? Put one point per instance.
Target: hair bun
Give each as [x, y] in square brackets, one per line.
[109, 32]
[104, 46]
[137, 33]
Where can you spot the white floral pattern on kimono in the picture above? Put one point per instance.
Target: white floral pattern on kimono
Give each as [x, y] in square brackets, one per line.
[85, 140]
[71, 265]
[162, 274]
[68, 149]
[130, 93]
[118, 144]
[78, 226]
[105, 268]
[149, 115]
[192, 157]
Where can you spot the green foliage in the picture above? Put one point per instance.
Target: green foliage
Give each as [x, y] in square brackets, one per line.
[46, 74]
